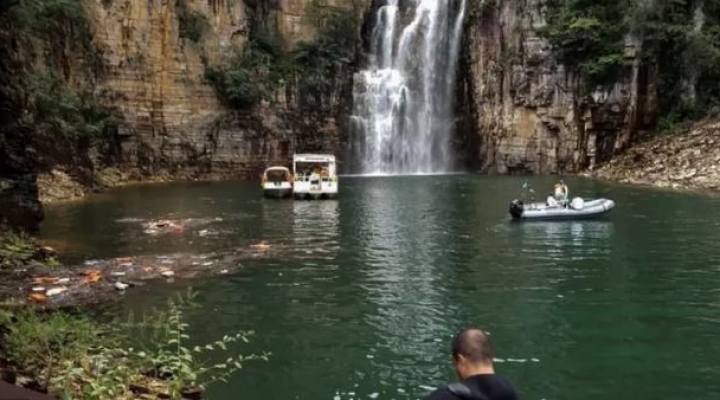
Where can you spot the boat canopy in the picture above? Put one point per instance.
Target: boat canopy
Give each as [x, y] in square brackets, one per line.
[313, 158]
[278, 169]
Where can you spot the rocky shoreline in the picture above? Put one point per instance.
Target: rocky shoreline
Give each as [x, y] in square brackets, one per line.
[684, 160]
[33, 276]
[59, 186]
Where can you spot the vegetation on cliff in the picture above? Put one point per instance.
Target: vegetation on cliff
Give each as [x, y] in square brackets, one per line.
[192, 24]
[53, 112]
[678, 39]
[315, 68]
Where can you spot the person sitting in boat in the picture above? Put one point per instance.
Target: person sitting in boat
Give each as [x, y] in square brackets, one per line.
[561, 192]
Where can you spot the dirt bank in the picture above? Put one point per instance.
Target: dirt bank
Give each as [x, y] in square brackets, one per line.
[688, 159]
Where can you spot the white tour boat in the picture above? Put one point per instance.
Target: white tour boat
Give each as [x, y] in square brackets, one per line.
[315, 176]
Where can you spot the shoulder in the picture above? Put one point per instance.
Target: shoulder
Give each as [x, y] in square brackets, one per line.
[441, 394]
[504, 388]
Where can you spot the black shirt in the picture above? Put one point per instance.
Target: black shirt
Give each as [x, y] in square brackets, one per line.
[492, 387]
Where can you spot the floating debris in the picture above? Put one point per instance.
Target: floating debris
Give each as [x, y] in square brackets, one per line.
[45, 280]
[91, 276]
[165, 226]
[121, 286]
[129, 220]
[56, 291]
[261, 246]
[38, 298]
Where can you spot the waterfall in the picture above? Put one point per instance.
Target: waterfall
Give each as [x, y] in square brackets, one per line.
[403, 102]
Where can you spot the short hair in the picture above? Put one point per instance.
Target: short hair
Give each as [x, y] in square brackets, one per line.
[474, 345]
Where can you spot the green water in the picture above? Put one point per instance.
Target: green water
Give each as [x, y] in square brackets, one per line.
[364, 293]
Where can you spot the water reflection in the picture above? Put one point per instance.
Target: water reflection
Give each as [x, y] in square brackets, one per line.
[316, 229]
[568, 239]
[400, 232]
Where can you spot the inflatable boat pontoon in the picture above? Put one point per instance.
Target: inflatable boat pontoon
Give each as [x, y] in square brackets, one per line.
[576, 209]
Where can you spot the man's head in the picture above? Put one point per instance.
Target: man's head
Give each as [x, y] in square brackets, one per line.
[472, 354]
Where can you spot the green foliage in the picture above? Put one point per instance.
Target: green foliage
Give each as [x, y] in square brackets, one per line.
[320, 62]
[42, 342]
[49, 81]
[76, 357]
[59, 111]
[588, 37]
[192, 24]
[687, 55]
[249, 77]
[64, 29]
[16, 248]
[678, 39]
[313, 66]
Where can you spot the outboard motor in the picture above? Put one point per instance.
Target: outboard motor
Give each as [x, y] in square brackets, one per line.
[516, 208]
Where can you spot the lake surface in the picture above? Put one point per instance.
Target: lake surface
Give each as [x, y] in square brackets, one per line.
[361, 295]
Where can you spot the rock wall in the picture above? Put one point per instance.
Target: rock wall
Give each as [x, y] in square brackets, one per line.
[174, 124]
[19, 205]
[686, 159]
[528, 112]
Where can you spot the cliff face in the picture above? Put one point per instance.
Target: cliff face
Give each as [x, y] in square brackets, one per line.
[19, 205]
[530, 113]
[174, 123]
[69, 65]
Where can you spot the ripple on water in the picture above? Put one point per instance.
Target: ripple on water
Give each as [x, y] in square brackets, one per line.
[362, 295]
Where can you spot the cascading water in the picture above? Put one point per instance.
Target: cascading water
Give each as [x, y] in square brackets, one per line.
[403, 103]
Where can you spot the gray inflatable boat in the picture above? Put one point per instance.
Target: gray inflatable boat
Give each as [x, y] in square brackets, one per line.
[576, 209]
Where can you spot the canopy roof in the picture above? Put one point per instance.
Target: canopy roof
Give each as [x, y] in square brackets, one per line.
[311, 158]
[277, 169]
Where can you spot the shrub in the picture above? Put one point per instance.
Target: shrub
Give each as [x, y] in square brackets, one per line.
[16, 249]
[252, 76]
[192, 24]
[682, 48]
[314, 66]
[62, 113]
[76, 357]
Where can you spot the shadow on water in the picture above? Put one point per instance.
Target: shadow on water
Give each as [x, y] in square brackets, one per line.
[361, 295]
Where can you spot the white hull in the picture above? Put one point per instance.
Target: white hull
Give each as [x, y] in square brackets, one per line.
[542, 212]
[276, 193]
[277, 190]
[314, 191]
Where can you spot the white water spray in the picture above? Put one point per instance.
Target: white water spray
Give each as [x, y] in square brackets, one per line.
[403, 102]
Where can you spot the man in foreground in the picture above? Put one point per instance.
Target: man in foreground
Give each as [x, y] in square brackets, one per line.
[472, 358]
